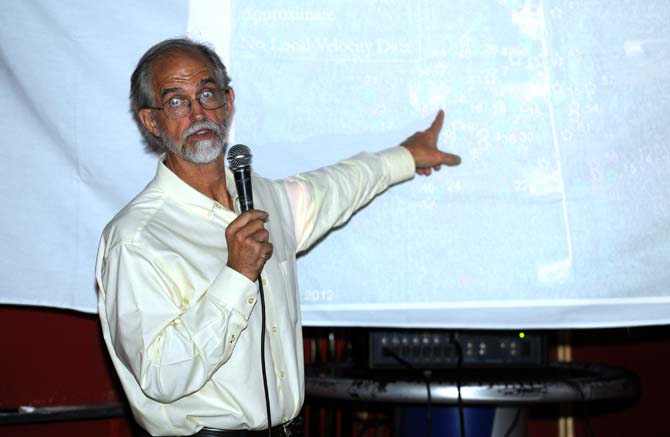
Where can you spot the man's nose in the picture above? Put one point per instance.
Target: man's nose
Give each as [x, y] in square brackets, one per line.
[197, 111]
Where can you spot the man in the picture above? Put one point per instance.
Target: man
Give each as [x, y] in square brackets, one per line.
[177, 267]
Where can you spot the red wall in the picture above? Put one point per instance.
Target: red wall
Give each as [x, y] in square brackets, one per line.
[53, 357]
[645, 351]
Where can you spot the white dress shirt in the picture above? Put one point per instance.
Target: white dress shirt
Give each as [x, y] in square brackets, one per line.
[183, 329]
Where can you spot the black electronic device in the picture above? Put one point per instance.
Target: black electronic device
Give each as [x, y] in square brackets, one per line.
[442, 349]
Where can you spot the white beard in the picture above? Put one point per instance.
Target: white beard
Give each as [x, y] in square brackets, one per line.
[202, 152]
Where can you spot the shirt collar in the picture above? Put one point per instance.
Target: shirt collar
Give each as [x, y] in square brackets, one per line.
[183, 193]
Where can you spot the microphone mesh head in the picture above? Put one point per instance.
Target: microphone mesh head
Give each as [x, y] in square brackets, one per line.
[239, 156]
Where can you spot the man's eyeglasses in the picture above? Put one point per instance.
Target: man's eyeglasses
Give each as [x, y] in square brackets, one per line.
[181, 106]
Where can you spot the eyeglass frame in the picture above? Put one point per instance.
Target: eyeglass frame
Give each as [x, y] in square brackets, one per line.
[190, 103]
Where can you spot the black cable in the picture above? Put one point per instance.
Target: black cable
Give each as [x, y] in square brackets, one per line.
[508, 433]
[265, 378]
[426, 375]
[459, 366]
[429, 410]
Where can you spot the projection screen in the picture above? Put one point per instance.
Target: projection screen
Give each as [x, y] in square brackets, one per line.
[557, 217]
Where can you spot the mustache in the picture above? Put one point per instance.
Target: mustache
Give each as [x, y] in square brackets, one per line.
[199, 125]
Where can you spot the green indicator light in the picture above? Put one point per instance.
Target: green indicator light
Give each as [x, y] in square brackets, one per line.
[522, 335]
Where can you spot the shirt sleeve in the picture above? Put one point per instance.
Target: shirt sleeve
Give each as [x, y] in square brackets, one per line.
[327, 197]
[172, 350]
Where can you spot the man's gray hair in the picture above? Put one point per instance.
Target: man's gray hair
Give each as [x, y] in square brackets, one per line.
[141, 89]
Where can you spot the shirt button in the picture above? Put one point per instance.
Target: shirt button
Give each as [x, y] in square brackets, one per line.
[282, 374]
[250, 301]
[265, 281]
[275, 328]
[232, 338]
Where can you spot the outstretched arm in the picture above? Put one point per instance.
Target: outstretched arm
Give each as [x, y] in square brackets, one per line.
[423, 147]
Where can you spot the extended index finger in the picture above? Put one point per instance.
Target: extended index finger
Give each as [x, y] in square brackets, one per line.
[436, 126]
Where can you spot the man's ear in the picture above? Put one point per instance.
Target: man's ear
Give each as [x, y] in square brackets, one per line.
[230, 95]
[148, 121]
[230, 102]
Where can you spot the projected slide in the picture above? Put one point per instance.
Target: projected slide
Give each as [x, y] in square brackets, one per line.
[555, 110]
[558, 215]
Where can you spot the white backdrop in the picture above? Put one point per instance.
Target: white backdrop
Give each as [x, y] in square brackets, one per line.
[558, 216]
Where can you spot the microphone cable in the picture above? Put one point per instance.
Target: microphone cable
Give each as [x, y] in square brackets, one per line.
[265, 377]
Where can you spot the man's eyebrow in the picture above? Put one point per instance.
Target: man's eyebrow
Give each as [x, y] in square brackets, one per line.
[203, 82]
[167, 91]
[206, 81]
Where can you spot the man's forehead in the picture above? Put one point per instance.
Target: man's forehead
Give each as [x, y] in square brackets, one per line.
[183, 67]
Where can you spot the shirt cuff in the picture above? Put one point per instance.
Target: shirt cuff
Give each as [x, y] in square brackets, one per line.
[235, 291]
[398, 164]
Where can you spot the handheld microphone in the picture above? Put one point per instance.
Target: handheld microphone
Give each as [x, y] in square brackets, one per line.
[239, 158]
